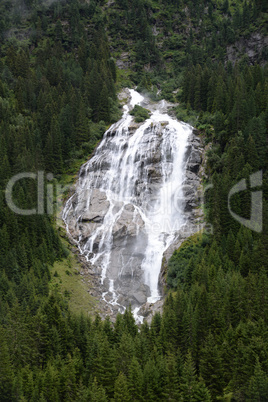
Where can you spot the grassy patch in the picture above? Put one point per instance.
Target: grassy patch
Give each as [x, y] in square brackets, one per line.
[124, 79]
[67, 280]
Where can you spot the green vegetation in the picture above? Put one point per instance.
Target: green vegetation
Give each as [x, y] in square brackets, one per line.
[181, 263]
[140, 113]
[162, 39]
[58, 83]
[66, 280]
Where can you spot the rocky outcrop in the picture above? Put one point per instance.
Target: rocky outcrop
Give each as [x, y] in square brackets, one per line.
[112, 217]
[148, 310]
[192, 196]
[124, 61]
[92, 208]
[252, 47]
[192, 199]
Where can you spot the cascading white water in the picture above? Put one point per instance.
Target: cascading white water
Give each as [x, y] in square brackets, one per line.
[128, 206]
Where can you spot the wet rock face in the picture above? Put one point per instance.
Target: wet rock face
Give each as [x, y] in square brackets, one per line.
[192, 180]
[97, 208]
[87, 213]
[192, 201]
[118, 188]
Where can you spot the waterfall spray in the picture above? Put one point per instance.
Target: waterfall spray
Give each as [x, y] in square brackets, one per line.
[127, 207]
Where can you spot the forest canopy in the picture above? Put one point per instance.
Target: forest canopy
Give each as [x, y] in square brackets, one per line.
[61, 66]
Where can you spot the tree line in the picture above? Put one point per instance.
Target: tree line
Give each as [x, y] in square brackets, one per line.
[57, 95]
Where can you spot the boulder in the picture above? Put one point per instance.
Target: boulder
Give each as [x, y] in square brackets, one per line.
[97, 208]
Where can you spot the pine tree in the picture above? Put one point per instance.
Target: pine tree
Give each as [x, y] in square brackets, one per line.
[135, 380]
[197, 90]
[28, 382]
[211, 368]
[6, 370]
[191, 389]
[125, 353]
[105, 367]
[129, 322]
[108, 329]
[68, 380]
[58, 31]
[51, 383]
[168, 332]
[82, 132]
[156, 328]
[112, 67]
[230, 245]
[251, 153]
[172, 387]
[4, 241]
[94, 89]
[82, 55]
[151, 381]
[11, 60]
[22, 64]
[97, 392]
[17, 388]
[104, 106]
[121, 392]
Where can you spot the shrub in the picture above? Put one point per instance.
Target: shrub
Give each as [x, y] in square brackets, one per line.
[140, 114]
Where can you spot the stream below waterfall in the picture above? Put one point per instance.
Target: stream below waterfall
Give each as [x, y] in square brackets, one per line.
[128, 203]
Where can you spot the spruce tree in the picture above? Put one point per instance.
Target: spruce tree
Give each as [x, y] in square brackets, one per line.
[191, 389]
[121, 392]
[105, 367]
[97, 392]
[135, 380]
[6, 370]
[104, 106]
[124, 353]
[172, 386]
[211, 367]
[82, 132]
[258, 385]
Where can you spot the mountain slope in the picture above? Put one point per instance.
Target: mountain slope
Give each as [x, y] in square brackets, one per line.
[58, 83]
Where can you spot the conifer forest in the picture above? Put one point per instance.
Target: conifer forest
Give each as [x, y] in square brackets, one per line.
[62, 65]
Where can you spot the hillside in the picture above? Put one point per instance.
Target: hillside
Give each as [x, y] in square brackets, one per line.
[62, 64]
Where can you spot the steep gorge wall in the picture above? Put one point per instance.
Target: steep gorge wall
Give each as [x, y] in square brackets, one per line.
[112, 232]
[193, 200]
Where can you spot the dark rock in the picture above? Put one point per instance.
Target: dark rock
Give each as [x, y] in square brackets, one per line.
[251, 46]
[191, 200]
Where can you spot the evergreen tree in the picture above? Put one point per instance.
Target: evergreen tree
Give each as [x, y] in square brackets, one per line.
[121, 392]
[211, 368]
[82, 127]
[135, 380]
[125, 353]
[104, 107]
[97, 392]
[258, 385]
[6, 370]
[105, 367]
[51, 383]
[192, 389]
[172, 387]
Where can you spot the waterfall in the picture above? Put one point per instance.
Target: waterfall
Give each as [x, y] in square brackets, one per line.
[128, 204]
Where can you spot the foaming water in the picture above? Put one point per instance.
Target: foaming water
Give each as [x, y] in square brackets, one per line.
[138, 171]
